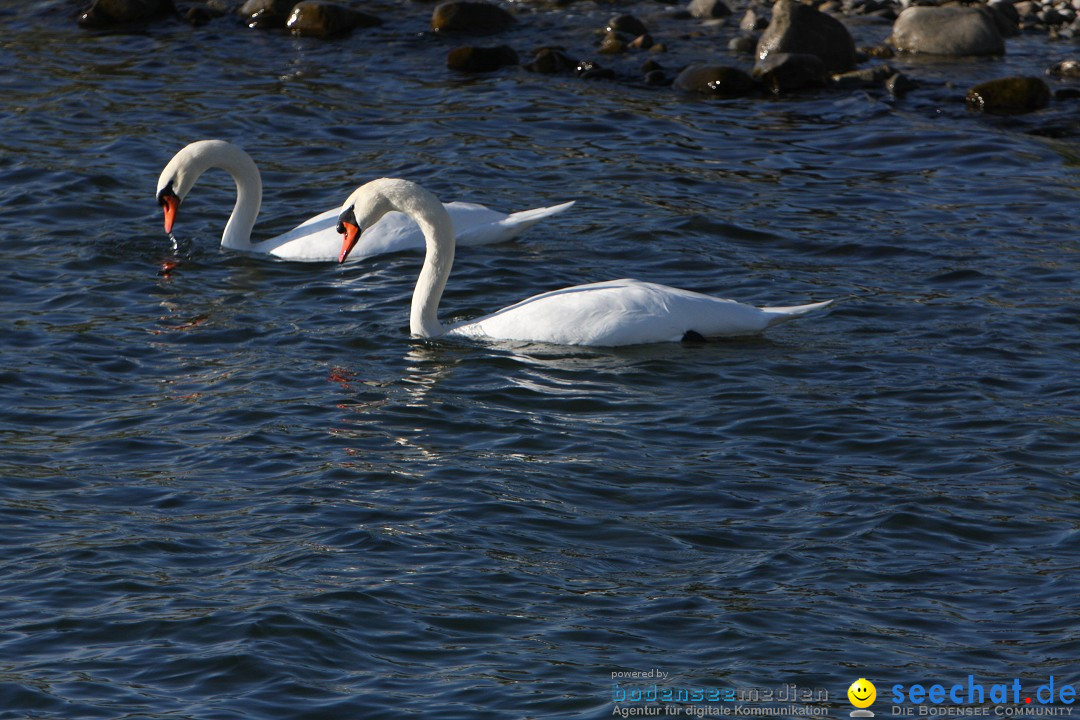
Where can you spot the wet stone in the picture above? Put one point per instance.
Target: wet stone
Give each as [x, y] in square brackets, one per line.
[786, 72]
[266, 13]
[717, 80]
[589, 70]
[106, 13]
[656, 77]
[1065, 69]
[313, 18]
[1009, 96]
[866, 77]
[627, 24]
[551, 60]
[744, 44]
[899, 85]
[752, 21]
[800, 29]
[706, 9]
[481, 59]
[612, 44]
[470, 18]
[947, 31]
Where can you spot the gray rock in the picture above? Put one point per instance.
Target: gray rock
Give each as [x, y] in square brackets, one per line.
[947, 31]
[1009, 96]
[705, 9]
[481, 59]
[784, 72]
[719, 81]
[314, 18]
[800, 29]
[470, 18]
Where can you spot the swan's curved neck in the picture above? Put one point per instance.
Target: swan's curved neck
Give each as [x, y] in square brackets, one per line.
[245, 174]
[190, 163]
[438, 231]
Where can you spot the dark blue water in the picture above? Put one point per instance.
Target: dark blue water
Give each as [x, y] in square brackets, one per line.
[240, 490]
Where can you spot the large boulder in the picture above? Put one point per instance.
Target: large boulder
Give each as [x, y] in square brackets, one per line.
[1009, 96]
[470, 18]
[715, 80]
[949, 30]
[313, 18]
[798, 28]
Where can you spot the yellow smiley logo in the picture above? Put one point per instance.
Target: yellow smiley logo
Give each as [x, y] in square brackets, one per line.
[862, 693]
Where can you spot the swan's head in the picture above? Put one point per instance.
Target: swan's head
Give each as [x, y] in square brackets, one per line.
[184, 169]
[368, 204]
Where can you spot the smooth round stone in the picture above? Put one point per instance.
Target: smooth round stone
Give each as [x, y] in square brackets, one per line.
[947, 31]
[627, 24]
[720, 81]
[800, 29]
[470, 18]
[1009, 96]
[786, 72]
[313, 18]
[481, 59]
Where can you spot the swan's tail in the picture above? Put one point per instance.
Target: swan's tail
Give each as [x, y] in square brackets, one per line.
[522, 221]
[780, 314]
[509, 227]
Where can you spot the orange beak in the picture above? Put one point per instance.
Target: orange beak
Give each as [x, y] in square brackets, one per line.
[351, 234]
[170, 204]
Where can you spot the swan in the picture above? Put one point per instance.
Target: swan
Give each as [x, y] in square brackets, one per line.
[603, 314]
[315, 239]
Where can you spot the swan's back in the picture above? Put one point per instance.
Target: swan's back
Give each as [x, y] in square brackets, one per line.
[618, 312]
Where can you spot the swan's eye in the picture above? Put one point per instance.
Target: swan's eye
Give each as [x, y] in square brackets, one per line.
[341, 228]
[164, 195]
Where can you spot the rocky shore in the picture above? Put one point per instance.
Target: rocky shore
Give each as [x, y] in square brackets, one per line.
[750, 48]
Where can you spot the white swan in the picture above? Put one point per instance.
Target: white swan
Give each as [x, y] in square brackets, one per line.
[315, 240]
[619, 312]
